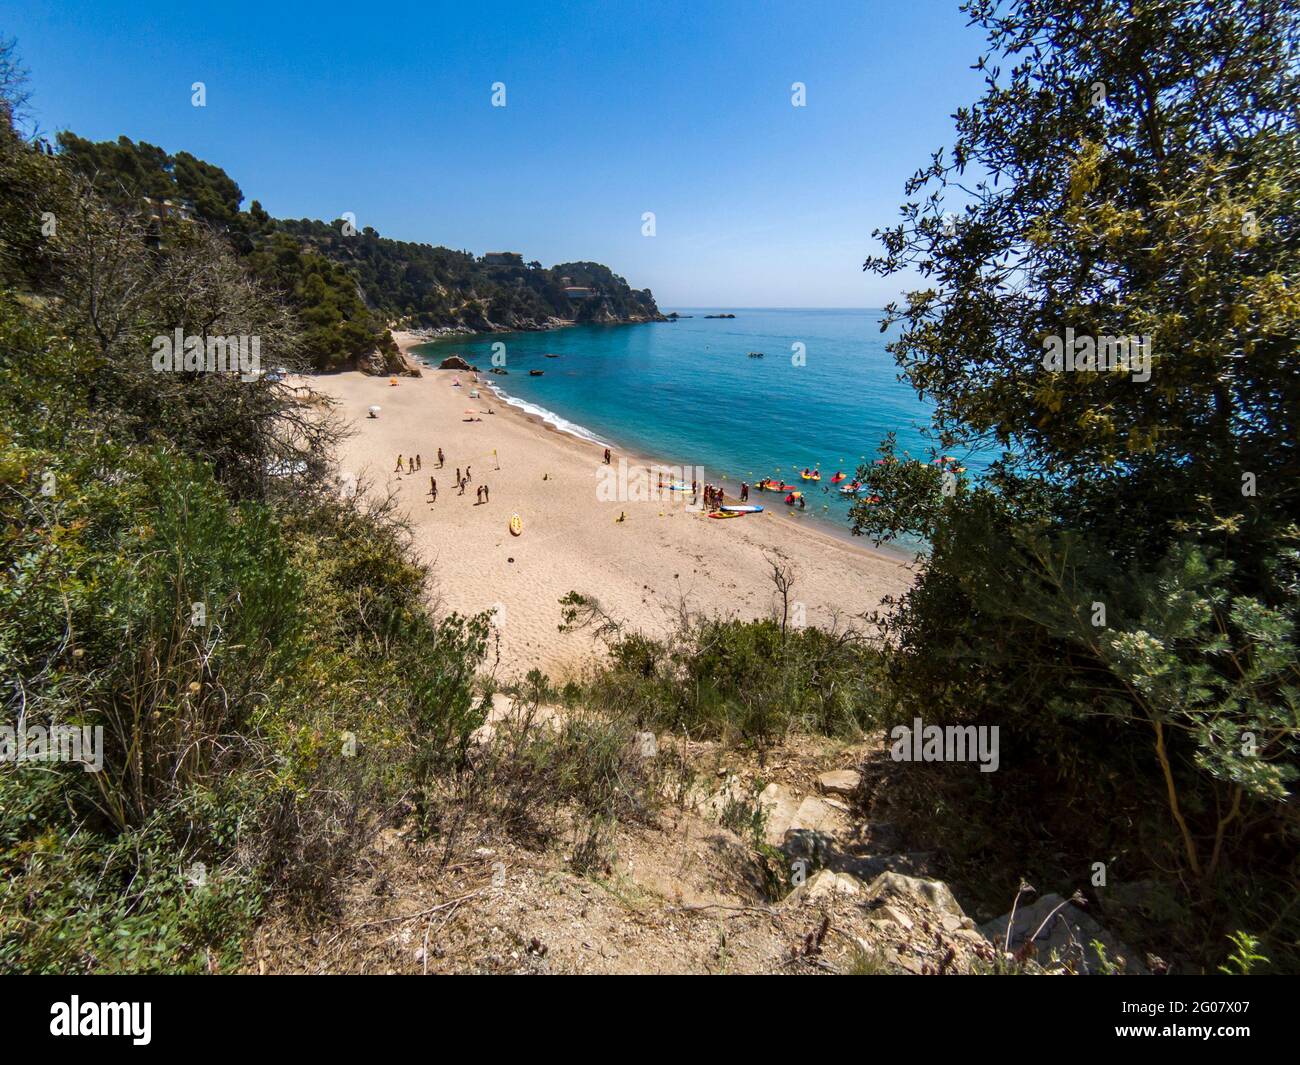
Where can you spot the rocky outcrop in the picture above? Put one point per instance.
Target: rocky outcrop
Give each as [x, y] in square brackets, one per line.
[934, 894]
[904, 918]
[811, 820]
[387, 360]
[454, 362]
[1061, 938]
[900, 924]
[841, 782]
[825, 884]
[913, 908]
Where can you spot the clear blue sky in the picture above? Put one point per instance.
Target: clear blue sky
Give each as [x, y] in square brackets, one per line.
[613, 109]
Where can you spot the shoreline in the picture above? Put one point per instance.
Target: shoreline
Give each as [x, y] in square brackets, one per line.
[646, 561]
[808, 521]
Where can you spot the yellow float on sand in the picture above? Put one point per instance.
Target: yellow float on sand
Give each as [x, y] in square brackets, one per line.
[516, 525]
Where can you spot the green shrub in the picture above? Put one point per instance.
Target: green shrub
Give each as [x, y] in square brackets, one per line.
[747, 681]
[248, 743]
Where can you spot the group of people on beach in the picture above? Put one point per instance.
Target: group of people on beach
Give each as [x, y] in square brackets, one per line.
[482, 493]
[715, 496]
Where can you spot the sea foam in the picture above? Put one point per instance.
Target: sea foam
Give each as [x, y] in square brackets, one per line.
[550, 418]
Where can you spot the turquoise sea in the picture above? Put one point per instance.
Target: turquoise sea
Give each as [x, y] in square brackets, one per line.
[686, 393]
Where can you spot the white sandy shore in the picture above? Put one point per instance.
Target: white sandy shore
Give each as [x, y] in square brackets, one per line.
[641, 570]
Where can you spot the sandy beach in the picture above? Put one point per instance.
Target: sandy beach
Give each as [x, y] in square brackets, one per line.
[642, 570]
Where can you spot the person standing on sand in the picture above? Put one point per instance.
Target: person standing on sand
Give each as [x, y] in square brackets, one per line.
[744, 492]
[419, 463]
[485, 495]
[462, 488]
[399, 465]
[606, 456]
[467, 476]
[433, 489]
[411, 460]
[441, 459]
[458, 475]
[478, 495]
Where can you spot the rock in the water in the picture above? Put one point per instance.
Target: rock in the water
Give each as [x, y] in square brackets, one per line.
[933, 894]
[1067, 938]
[841, 782]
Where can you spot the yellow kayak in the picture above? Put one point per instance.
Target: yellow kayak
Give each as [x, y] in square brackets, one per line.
[516, 525]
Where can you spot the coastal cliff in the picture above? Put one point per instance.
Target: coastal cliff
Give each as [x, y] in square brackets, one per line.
[347, 284]
[423, 286]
